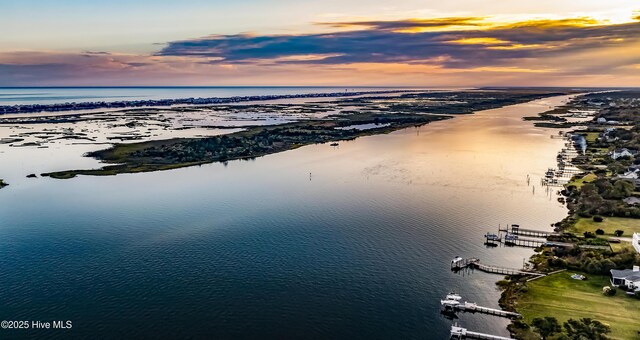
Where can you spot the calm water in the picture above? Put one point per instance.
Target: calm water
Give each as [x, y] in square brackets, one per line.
[53, 95]
[262, 249]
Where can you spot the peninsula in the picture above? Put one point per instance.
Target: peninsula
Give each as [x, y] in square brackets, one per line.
[369, 117]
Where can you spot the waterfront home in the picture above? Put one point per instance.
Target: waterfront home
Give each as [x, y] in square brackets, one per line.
[615, 154]
[631, 174]
[606, 135]
[631, 201]
[629, 278]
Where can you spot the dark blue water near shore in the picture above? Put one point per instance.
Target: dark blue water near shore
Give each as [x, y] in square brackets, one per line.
[260, 249]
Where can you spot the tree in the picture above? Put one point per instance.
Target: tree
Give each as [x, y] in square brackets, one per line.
[618, 232]
[623, 188]
[546, 326]
[586, 328]
[607, 265]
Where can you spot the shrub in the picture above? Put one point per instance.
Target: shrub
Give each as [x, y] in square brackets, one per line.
[599, 232]
[611, 291]
[546, 326]
[618, 232]
[588, 234]
[586, 328]
[597, 218]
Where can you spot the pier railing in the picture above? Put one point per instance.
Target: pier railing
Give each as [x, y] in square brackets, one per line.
[455, 306]
[474, 263]
[463, 333]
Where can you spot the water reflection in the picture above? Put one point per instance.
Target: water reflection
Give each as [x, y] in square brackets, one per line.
[258, 249]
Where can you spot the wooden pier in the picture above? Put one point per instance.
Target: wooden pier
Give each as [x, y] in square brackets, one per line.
[474, 263]
[462, 333]
[516, 230]
[526, 242]
[455, 306]
[511, 236]
[501, 270]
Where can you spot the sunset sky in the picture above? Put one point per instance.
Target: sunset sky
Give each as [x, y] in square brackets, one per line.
[286, 42]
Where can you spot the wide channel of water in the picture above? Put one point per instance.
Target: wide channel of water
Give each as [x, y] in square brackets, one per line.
[344, 242]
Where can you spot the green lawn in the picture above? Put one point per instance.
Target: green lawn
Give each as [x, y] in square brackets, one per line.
[592, 136]
[579, 182]
[609, 225]
[560, 296]
[617, 247]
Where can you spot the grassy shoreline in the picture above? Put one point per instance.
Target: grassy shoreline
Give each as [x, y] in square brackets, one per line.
[580, 299]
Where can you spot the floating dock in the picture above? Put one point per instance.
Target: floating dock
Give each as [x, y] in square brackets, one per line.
[463, 333]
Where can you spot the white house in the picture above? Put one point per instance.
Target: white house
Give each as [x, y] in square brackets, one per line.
[633, 174]
[635, 240]
[627, 277]
[615, 154]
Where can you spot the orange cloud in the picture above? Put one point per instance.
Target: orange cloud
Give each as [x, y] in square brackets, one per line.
[479, 41]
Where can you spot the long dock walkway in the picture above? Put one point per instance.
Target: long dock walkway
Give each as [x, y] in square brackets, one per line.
[460, 263]
[533, 233]
[463, 333]
[516, 230]
[474, 308]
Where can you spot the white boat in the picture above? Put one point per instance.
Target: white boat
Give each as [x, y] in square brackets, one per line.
[449, 303]
[453, 297]
[492, 237]
[456, 259]
[511, 237]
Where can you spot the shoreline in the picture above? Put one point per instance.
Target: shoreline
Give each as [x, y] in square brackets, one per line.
[593, 160]
[152, 155]
[163, 103]
[508, 284]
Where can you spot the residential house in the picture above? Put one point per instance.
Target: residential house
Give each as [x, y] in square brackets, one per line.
[629, 278]
[631, 174]
[615, 154]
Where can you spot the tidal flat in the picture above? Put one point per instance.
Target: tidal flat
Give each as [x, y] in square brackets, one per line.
[146, 140]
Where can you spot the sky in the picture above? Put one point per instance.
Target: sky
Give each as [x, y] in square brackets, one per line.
[326, 43]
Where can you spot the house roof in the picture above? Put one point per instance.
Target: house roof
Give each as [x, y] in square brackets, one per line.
[633, 277]
[626, 274]
[631, 200]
